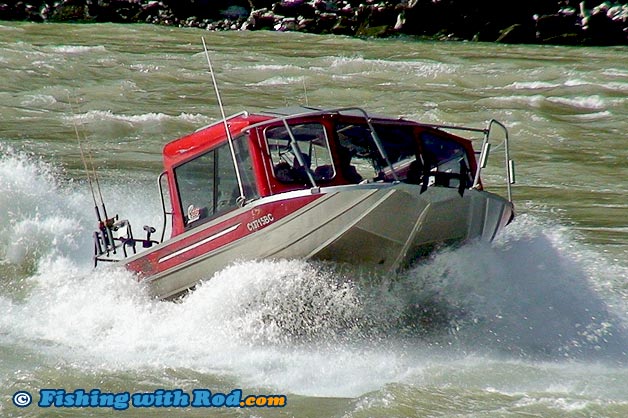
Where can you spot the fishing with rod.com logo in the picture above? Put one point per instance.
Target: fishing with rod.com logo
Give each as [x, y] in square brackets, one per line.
[160, 398]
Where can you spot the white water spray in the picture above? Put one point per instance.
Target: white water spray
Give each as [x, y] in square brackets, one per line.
[295, 325]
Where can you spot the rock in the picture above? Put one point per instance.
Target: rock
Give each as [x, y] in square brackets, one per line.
[286, 24]
[606, 25]
[261, 4]
[376, 20]
[235, 13]
[556, 22]
[325, 22]
[16, 11]
[344, 26]
[122, 11]
[368, 31]
[306, 25]
[294, 8]
[424, 17]
[401, 20]
[559, 28]
[517, 34]
[261, 19]
[152, 11]
[70, 11]
[6, 12]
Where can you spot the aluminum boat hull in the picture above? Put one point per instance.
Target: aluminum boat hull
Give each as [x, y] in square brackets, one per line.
[383, 226]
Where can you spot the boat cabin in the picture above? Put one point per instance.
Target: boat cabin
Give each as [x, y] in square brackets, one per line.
[213, 171]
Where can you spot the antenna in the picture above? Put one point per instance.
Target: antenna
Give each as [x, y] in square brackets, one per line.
[307, 102]
[224, 121]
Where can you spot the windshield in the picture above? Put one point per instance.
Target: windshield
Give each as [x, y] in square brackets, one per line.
[208, 184]
[292, 160]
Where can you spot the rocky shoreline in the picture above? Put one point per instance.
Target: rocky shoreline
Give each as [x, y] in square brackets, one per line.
[557, 22]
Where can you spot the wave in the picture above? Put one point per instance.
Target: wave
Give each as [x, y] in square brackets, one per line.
[360, 65]
[576, 85]
[44, 214]
[594, 102]
[37, 214]
[270, 68]
[528, 295]
[76, 49]
[576, 103]
[107, 115]
[278, 81]
[615, 72]
[39, 100]
[532, 85]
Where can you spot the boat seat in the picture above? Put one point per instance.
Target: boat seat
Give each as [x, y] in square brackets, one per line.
[415, 172]
[352, 175]
[283, 172]
[299, 172]
[324, 172]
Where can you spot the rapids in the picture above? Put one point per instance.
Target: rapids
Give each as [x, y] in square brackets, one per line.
[531, 324]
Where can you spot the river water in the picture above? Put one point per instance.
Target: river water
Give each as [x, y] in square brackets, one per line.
[533, 324]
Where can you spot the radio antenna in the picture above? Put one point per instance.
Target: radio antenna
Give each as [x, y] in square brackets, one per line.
[307, 102]
[242, 198]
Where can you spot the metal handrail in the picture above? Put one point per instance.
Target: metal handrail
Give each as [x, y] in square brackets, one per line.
[509, 163]
[378, 142]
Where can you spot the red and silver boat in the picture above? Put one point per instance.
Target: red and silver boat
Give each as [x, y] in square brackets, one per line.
[337, 184]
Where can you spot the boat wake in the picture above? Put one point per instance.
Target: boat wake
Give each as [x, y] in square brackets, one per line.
[531, 294]
[524, 295]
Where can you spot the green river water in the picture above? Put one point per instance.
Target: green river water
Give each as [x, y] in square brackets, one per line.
[534, 324]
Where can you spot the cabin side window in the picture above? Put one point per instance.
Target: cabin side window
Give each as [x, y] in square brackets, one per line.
[309, 151]
[399, 142]
[445, 155]
[358, 155]
[208, 184]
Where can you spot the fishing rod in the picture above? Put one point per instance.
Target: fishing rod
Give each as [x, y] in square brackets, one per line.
[106, 225]
[242, 198]
[96, 178]
[84, 161]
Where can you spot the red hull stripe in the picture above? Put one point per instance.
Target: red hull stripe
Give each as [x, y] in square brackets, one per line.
[199, 243]
[235, 227]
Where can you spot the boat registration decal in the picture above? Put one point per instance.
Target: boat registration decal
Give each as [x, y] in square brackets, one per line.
[198, 244]
[257, 223]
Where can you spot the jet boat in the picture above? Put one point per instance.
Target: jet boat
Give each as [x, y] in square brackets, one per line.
[342, 185]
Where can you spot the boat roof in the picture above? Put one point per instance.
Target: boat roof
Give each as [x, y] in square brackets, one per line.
[291, 111]
[188, 146]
